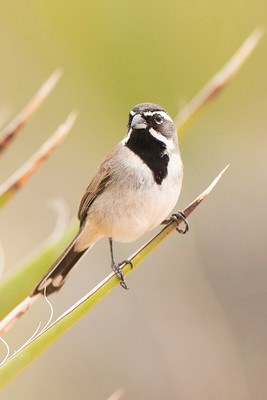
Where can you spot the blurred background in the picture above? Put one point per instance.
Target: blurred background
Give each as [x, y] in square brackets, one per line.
[194, 323]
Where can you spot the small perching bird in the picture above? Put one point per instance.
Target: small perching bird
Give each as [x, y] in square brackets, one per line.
[134, 190]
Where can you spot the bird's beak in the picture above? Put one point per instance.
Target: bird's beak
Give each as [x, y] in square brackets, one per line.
[138, 122]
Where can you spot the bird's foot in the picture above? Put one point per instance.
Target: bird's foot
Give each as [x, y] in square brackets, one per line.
[117, 269]
[179, 216]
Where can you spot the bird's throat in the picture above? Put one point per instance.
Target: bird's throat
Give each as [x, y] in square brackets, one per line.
[152, 152]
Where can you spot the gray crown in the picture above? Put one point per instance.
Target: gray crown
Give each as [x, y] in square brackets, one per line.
[143, 107]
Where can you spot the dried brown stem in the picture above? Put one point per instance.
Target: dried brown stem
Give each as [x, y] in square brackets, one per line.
[16, 314]
[219, 81]
[21, 176]
[20, 120]
[190, 208]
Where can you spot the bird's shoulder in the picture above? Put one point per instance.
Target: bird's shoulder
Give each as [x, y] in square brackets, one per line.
[100, 181]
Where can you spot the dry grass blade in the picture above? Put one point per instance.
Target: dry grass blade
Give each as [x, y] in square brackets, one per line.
[20, 177]
[187, 211]
[20, 120]
[117, 395]
[15, 314]
[219, 81]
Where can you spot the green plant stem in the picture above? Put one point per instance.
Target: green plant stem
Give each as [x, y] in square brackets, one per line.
[16, 287]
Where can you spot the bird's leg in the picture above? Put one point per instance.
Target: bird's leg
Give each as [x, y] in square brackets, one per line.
[176, 217]
[116, 267]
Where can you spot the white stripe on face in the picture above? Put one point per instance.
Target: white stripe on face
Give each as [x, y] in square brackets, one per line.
[150, 113]
[168, 142]
[162, 113]
[127, 137]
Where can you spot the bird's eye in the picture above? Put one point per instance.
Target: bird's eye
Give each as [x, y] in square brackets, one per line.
[158, 119]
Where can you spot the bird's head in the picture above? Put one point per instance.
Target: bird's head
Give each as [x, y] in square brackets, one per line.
[152, 117]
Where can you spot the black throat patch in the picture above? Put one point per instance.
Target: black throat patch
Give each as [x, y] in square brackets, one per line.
[151, 151]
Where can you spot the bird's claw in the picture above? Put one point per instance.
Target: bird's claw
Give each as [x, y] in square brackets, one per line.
[117, 269]
[179, 216]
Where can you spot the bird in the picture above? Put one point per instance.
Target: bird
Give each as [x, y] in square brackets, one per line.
[133, 191]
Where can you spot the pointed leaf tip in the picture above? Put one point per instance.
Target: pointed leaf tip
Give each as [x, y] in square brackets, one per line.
[214, 183]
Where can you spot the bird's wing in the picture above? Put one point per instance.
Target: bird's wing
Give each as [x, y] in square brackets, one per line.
[101, 180]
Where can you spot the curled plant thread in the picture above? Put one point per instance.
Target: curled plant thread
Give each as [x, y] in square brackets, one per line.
[28, 341]
[36, 332]
[51, 313]
[8, 351]
[33, 336]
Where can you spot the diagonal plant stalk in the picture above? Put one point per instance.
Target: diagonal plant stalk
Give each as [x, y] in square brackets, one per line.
[20, 177]
[219, 81]
[12, 129]
[117, 395]
[28, 353]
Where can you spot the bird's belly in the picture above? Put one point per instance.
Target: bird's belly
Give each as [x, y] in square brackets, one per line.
[134, 212]
[147, 212]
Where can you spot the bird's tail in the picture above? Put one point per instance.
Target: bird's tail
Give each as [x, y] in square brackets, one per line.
[58, 272]
[50, 283]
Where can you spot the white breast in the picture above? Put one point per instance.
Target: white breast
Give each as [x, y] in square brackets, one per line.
[133, 203]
